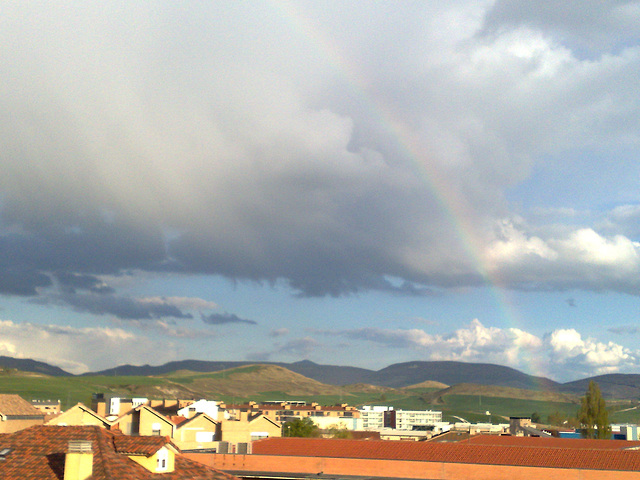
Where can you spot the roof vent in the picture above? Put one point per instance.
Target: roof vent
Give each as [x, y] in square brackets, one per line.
[4, 452]
[79, 446]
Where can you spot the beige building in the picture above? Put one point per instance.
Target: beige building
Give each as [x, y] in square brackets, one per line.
[79, 415]
[48, 407]
[144, 420]
[198, 433]
[16, 414]
[248, 427]
[287, 410]
[192, 431]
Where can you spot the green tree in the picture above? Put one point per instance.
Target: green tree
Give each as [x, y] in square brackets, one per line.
[338, 432]
[593, 414]
[300, 427]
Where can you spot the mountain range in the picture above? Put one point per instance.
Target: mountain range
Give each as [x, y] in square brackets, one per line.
[399, 375]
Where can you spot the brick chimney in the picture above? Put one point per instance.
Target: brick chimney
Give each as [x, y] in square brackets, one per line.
[78, 463]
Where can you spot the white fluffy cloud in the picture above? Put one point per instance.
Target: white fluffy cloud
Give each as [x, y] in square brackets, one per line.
[581, 258]
[562, 354]
[588, 356]
[77, 350]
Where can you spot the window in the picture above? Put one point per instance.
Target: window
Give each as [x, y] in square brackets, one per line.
[162, 460]
[155, 429]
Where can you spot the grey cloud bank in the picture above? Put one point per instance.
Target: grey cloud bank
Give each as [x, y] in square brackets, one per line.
[337, 149]
[121, 127]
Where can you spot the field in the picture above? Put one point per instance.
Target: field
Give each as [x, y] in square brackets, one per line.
[473, 403]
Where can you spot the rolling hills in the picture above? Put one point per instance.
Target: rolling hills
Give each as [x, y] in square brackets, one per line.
[396, 376]
[259, 382]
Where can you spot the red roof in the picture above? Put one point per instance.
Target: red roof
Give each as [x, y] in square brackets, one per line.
[552, 442]
[146, 445]
[532, 456]
[39, 453]
[178, 419]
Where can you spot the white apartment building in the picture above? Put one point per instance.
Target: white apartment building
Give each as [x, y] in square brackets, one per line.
[408, 419]
[378, 417]
[373, 416]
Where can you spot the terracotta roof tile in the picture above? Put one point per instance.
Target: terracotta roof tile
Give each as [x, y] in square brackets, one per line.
[146, 445]
[553, 442]
[39, 453]
[178, 419]
[16, 405]
[533, 456]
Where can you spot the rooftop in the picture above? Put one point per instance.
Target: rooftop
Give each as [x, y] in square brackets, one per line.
[39, 452]
[597, 457]
[14, 405]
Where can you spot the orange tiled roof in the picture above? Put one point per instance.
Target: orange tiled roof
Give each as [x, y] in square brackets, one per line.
[178, 419]
[531, 456]
[39, 453]
[16, 405]
[147, 445]
[552, 442]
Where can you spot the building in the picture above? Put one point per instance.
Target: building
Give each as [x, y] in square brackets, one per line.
[290, 410]
[90, 452]
[113, 406]
[522, 427]
[16, 413]
[412, 419]
[625, 431]
[48, 407]
[144, 420]
[515, 458]
[247, 427]
[210, 407]
[200, 432]
[380, 417]
[373, 417]
[77, 415]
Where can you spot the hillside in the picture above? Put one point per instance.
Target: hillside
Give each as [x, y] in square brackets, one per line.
[470, 389]
[27, 365]
[330, 374]
[429, 384]
[412, 375]
[451, 373]
[251, 380]
[613, 385]
[399, 375]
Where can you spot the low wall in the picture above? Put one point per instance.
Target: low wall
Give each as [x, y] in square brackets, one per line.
[397, 468]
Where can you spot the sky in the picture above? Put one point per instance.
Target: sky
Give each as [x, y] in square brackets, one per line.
[350, 182]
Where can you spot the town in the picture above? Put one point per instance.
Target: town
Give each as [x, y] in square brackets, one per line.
[319, 240]
[117, 437]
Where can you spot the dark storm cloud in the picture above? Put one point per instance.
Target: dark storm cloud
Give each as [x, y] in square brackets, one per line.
[274, 167]
[125, 308]
[587, 25]
[70, 282]
[22, 281]
[224, 318]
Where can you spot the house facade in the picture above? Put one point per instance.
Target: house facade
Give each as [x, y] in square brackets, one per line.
[77, 415]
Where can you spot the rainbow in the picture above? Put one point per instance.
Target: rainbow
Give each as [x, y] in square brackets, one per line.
[455, 211]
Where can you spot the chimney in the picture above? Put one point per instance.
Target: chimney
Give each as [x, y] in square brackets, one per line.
[78, 463]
